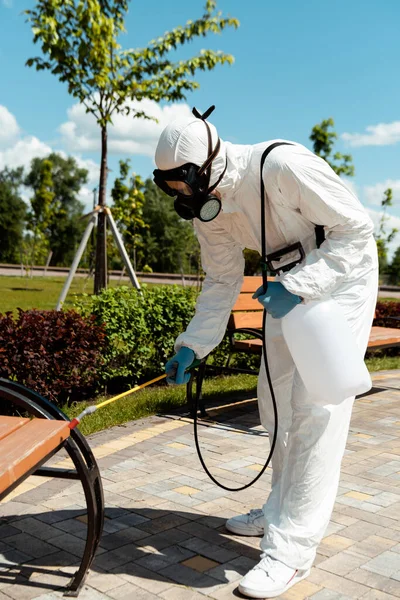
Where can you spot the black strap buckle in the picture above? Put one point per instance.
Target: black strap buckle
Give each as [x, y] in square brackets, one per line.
[276, 263]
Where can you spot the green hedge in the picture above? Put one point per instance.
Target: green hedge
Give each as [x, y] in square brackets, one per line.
[119, 338]
[239, 360]
[115, 339]
[140, 328]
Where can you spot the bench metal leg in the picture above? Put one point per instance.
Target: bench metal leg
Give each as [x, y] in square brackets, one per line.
[87, 471]
[91, 483]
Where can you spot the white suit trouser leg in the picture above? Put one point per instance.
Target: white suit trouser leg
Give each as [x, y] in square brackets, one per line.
[299, 507]
[310, 445]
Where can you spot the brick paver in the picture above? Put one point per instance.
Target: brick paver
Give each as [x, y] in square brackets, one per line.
[164, 534]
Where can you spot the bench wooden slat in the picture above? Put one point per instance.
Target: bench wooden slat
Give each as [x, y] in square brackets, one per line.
[253, 346]
[384, 335]
[251, 283]
[380, 337]
[10, 424]
[27, 446]
[246, 302]
[248, 313]
[242, 319]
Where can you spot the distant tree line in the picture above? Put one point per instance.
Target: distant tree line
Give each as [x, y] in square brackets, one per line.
[40, 212]
[51, 220]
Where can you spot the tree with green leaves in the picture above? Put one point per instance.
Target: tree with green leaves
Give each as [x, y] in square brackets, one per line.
[12, 215]
[323, 139]
[393, 270]
[79, 40]
[40, 215]
[169, 243]
[65, 226]
[128, 200]
[383, 237]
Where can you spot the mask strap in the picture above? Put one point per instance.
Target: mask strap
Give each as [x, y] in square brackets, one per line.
[205, 115]
[210, 158]
[211, 154]
[216, 184]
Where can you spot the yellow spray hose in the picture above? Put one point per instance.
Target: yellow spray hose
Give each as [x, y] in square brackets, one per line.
[92, 409]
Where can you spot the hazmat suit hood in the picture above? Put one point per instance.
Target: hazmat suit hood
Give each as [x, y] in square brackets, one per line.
[184, 140]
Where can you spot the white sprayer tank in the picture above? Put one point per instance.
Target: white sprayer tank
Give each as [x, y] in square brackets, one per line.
[325, 352]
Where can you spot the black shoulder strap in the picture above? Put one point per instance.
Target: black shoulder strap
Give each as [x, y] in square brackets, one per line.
[319, 235]
[319, 229]
[262, 192]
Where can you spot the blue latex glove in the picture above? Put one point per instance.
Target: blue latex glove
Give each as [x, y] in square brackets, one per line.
[177, 365]
[277, 301]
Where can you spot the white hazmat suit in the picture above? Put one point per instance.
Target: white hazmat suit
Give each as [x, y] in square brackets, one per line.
[301, 191]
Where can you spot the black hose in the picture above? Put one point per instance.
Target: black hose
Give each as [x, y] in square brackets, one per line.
[196, 439]
[264, 265]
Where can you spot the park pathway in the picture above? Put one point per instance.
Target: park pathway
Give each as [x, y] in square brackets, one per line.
[164, 535]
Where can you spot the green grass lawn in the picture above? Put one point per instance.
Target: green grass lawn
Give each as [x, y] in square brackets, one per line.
[159, 399]
[41, 292]
[380, 362]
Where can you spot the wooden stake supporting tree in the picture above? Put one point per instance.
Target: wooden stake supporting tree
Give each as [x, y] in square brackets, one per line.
[79, 41]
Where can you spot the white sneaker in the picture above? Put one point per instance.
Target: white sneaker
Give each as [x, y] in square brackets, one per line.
[270, 578]
[251, 524]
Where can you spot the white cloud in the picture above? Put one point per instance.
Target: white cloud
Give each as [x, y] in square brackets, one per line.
[92, 167]
[9, 129]
[18, 150]
[373, 194]
[126, 136]
[383, 134]
[86, 192]
[7, 3]
[86, 197]
[22, 151]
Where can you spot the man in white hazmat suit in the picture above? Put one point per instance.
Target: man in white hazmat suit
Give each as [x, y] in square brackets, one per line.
[218, 183]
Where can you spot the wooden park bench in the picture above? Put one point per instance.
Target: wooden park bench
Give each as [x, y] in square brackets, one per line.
[26, 444]
[247, 314]
[246, 317]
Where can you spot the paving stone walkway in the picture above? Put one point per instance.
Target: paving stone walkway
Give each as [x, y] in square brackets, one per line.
[164, 535]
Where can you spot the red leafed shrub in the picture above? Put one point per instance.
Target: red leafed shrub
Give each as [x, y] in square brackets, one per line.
[56, 354]
[387, 309]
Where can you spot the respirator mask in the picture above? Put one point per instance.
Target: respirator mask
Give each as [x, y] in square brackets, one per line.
[190, 184]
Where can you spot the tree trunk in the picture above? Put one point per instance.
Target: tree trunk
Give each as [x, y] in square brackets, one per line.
[100, 276]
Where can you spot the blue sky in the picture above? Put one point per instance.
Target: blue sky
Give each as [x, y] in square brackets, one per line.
[296, 63]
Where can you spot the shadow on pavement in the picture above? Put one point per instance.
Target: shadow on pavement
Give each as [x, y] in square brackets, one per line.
[179, 547]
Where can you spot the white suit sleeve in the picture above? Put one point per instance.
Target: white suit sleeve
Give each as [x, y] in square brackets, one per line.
[320, 196]
[223, 262]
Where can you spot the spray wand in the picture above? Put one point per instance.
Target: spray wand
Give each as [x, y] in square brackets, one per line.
[92, 409]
